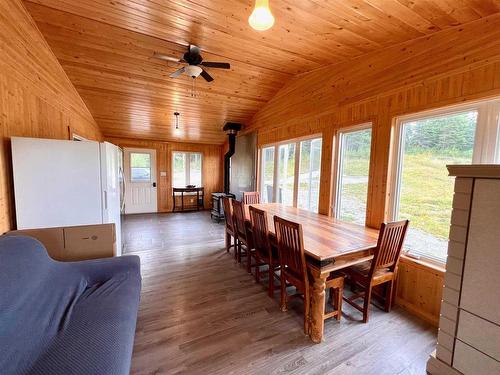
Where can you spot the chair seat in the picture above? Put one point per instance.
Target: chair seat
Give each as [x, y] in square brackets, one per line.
[265, 258]
[363, 270]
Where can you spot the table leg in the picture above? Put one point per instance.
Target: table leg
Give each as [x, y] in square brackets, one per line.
[318, 307]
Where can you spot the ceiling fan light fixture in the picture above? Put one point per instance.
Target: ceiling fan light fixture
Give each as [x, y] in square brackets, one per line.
[193, 71]
[261, 18]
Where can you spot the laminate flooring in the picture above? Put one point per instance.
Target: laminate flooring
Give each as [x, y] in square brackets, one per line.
[201, 313]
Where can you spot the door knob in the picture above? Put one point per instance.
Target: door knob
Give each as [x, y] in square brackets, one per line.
[154, 184]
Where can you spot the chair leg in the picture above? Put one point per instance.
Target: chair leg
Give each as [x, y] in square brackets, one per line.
[366, 303]
[236, 244]
[307, 312]
[228, 241]
[249, 260]
[388, 295]
[339, 303]
[271, 280]
[257, 268]
[239, 251]
[283, 305]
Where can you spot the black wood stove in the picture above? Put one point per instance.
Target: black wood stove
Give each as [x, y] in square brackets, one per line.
[231, 128]
[217, 212]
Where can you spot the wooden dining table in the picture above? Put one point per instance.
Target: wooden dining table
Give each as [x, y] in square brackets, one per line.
[329, 244]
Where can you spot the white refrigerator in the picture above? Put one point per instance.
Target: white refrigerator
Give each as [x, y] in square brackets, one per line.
[64, 183]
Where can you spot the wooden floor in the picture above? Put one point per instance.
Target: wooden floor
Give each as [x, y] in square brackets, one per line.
[203, 314]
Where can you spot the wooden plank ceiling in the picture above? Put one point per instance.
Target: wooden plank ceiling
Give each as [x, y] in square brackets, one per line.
[106, 48]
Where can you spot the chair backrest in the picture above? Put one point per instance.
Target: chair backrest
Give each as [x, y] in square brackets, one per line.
[238, 218]
[390, 243]
[228, 212]
[260, 231]
[251, 197]
[291, 246]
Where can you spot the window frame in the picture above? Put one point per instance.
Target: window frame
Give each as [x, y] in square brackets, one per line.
[486, 148]
[337, 163]
[276, 146]
[187, 169]
[131, 167]
[260, 168]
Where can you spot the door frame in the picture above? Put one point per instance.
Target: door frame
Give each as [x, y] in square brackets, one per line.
[154, 178]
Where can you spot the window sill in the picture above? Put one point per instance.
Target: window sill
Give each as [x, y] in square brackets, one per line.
[424, 264]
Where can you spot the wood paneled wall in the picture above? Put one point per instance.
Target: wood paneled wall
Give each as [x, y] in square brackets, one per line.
[211, 173]
[36, 97]
[449, 67]
[420, 289]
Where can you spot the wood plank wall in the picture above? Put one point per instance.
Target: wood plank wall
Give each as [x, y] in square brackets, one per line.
[36, 97]
[211, 172]
[449, 67]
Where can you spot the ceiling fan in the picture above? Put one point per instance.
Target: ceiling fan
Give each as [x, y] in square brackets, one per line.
[194, 62]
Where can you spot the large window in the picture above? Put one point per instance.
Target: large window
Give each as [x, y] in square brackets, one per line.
[187, 168]
[292, 177]
[267, 174]
[423, 191]
[309, 173]
[353, 147]
[286, 174]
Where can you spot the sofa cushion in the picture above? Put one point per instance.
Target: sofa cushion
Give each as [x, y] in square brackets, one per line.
[65, 318]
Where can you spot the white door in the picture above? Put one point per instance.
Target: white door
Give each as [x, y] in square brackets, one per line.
[140, 180]
[110, 176]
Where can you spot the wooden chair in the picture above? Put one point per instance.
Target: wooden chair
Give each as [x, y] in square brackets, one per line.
[294, 271]
[264, 253]
[382, 269]
[230, 233]
[251, 197]
[242, 237]
[335, 284]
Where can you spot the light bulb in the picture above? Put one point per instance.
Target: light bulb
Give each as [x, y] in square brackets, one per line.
[261, 18]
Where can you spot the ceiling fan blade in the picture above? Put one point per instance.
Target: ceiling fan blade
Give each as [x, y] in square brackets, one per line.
[167, 58]
[218, 65]
[194, 50]
[207, 76]
[177, 73]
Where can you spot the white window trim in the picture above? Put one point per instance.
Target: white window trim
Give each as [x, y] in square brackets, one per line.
[337, 163]
[187, 170]
[276, 146]
[486, 145]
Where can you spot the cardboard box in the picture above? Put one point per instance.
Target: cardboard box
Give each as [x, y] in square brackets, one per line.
[75, 243]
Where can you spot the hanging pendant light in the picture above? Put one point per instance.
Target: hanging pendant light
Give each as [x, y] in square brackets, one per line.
[261, 18]
[176, 114]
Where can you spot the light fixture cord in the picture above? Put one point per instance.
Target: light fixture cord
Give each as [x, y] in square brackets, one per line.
[193, 88]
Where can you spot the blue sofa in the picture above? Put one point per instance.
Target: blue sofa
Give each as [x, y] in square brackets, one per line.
[65, 318]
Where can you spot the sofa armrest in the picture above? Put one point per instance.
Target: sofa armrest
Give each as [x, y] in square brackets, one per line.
[99, 270]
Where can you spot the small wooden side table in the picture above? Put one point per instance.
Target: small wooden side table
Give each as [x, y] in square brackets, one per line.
[188, 192]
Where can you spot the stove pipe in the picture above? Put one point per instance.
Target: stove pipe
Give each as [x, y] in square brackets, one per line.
[231, 128]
